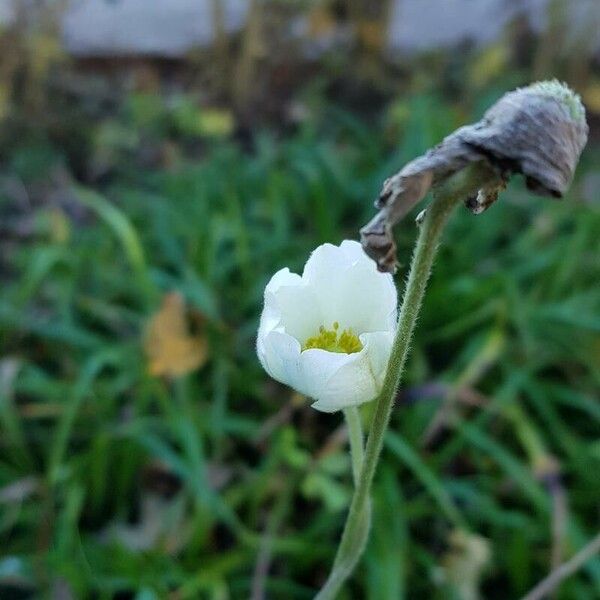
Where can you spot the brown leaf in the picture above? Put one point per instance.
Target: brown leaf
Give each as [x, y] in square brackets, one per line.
[170, 347]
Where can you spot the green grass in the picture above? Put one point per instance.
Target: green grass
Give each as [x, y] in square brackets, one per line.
[116, 484]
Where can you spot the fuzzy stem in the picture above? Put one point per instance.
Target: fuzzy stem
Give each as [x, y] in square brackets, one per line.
[356, 530]
[355, 436]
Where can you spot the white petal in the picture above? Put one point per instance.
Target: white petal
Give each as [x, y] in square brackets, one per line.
[279, 354]
[282, 277]
[367, 299]
[300, 311]
[317, 367]
[379, 346]
[327, 259]
[339, 283]
[349, 288]
[290, 303]
[359, 377]
[353, 250]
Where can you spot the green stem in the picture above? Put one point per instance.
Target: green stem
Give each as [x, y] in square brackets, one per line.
[547, 586]
[356, 530]
[355, 435]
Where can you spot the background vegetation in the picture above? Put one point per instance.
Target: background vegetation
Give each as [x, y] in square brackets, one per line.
[127, 472]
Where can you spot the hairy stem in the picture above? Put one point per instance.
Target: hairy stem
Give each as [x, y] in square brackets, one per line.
[355, 435]
[356, 530]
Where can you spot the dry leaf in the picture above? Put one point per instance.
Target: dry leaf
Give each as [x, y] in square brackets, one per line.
[170, 347]
[464, 564]
[162, 525]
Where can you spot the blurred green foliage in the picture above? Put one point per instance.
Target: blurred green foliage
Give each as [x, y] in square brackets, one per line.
[222, 483]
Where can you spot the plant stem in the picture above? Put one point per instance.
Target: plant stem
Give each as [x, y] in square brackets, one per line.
[551, 583]
[355, 436]
[356, 530]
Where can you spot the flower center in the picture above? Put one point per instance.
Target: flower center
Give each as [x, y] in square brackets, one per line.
[346, 342]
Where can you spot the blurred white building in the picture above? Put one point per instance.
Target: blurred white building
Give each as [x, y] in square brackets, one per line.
[170, 28]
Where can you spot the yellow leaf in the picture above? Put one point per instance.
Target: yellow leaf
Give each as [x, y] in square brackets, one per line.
[591, 96]
[489, 64]
[170, 347]
[214, 122]
[60, 229]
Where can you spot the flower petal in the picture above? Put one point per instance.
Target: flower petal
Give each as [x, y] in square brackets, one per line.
[379, 347]
[279, 354]
[291, 304]
[359, 376]
[368, 299]
[281, 278]
[352, 250]
[349, 288]
[317, 367]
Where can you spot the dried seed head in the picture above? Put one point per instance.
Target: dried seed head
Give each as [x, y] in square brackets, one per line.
[539, 131]
[560, 91]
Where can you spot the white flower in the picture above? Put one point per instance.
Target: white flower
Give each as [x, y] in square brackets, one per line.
[329, 333]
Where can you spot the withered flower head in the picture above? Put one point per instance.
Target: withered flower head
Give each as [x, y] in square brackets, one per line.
[538, 131]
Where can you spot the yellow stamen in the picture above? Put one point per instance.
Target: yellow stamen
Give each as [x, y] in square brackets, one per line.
[346, 342]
